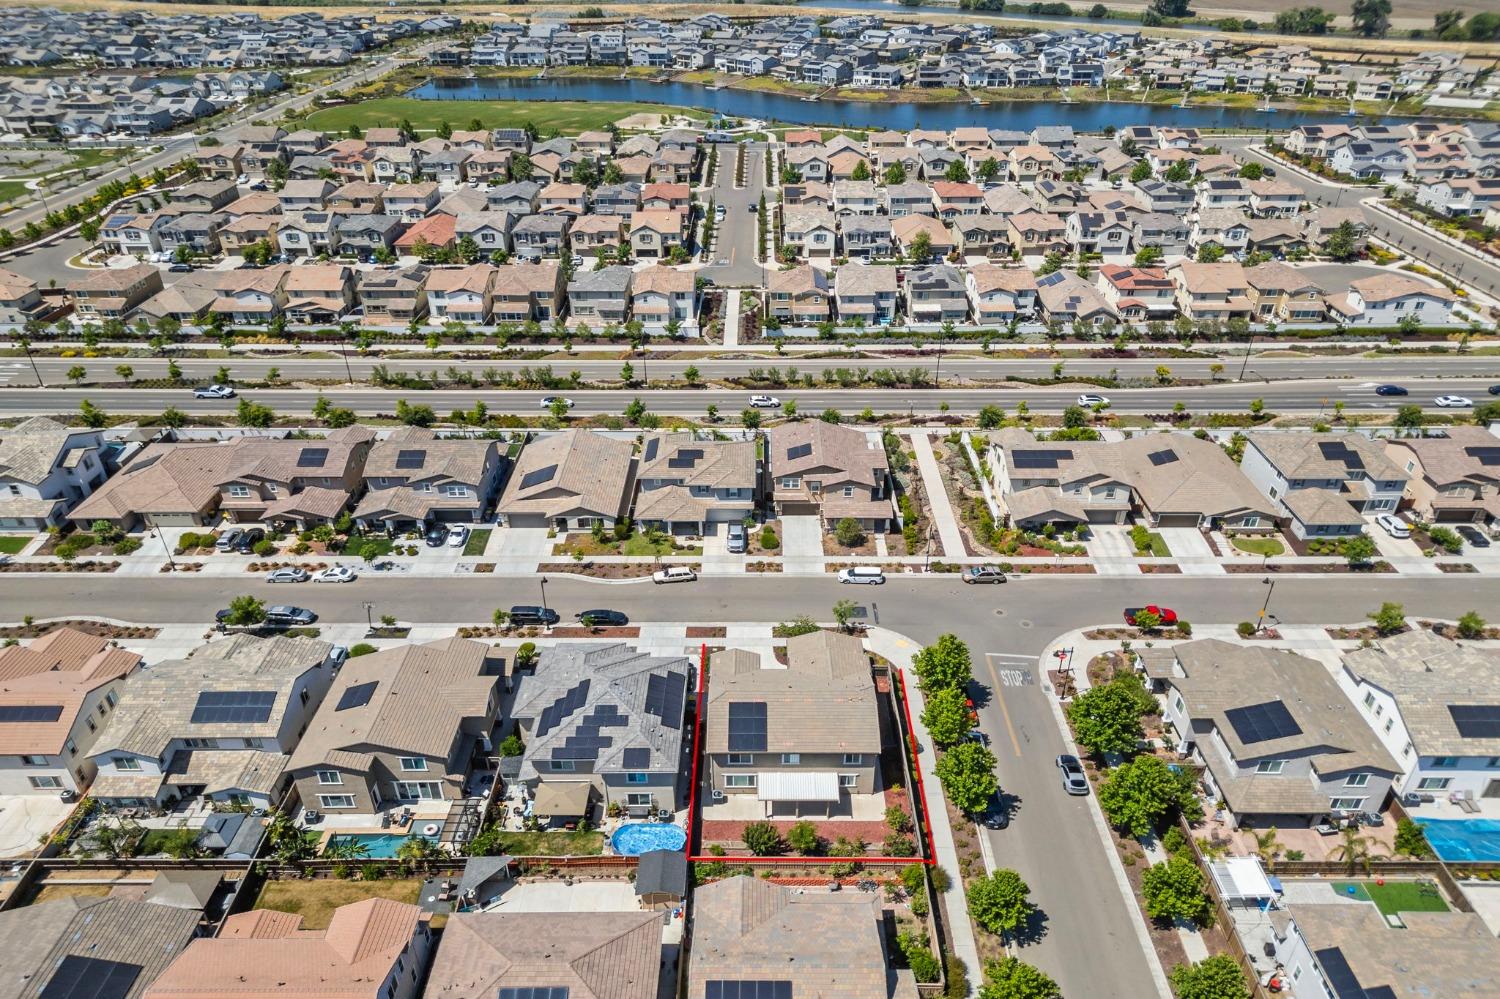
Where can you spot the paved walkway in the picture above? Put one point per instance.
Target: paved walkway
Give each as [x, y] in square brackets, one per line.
[732, 318]
[937, 497]
[899, 651]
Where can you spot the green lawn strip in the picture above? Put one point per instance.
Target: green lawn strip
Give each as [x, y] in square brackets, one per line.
[478, 539]
[1159, 547]
[639, 544]
[550, 844]
[566, 117]
[1258, 546]
[11, 189]
[1395, 897]
[11, 544]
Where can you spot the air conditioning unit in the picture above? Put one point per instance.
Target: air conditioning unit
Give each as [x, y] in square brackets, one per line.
[717, 795]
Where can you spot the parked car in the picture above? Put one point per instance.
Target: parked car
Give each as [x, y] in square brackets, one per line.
[336, 574]
[284, 615]
[249, 540]
[1493, 390]
[1165, 615]
[1090, 399]
[764, 401]
[1472, 535]
[674, 574]
[734, 539]
[1074, 781]
[180, 268]
[868, 575]
[995, 814]
[548, 400]
[1394, 525]
[337, 656]
[1453, 402]
[228, 539]
[530, 614]
[602, 619]
[1390, 390]
[288, 574]
[436, 536]
[213, 392]
[983, 574]
[458, 535]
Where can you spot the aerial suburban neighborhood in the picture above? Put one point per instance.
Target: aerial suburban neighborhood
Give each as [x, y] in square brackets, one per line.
[863, 501]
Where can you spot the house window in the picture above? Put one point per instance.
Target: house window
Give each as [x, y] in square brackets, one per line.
[791, 759]
[791, 482]
[90, 723]
[1369, 700]
[336, 800]
[45, 783]
[455, 490]
[1357, 780]
[1346, 804]
[638, 799]
[1270, 766]
[853, 760]
[330, 777]
[417, 790]
[413, 764]
[71, 747]
[848, 782]
[1434, 783]
[561, 765]
[738, 760]
[848, 490]
[739, 780]
[1177, 704]
[1492, 762]
[1389, 722]
[128, 763]
[1445, 762]
[635, 778]
[239, 492]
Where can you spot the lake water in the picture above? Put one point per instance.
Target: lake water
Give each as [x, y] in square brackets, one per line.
[1018, 115]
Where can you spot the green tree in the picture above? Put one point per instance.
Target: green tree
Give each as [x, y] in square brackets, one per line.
[894, 174]
[1389, 618]
[415, 415]
[1372, 18]
[1354, 850]
[1342, 242]
[77, 373]
[1411, 841]
[750, 419]
[989, 169]
[1359, 550]
[1446, 21]
[1471, 625]
[1139, 794]
[843, 613]
[1001, 902]
[1210, 253]
[947, 716]
[1141, 171]
[92, 416]
[1012, 978]
[1252, 171]
[245, 611]
[762, 839]
[861, 171]
[635, 411]
[803, 837]
[957, 172]
[849, 533]
[990, 417]
[1175, 889]
[172, 417]
[1075, 417]
[1148, 255]
[254, 414]
[967, 773]
[943, 665]
[920, 251]
[1107, 717]
[1408, 417]
[1217, 977]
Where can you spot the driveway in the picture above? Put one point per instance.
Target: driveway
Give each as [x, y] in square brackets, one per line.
[1190, 548]
[519, 549]
[802, 544]
[718, 561]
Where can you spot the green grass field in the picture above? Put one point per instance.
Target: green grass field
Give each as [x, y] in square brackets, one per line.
[478, 538]
[1258, 546]
[11, 544]
[1397, 896]
[566, 117]
[550, 844]
[11, 189]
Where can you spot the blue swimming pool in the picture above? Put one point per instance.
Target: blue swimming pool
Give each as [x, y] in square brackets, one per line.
[377, 845]
[636, 838]
[1463, 839]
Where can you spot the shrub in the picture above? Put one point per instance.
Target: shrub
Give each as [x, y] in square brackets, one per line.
[1174, 841]
[803, 837]
[126, 546]
[265, 547]
[897, 819]
[1244, 629]
[897, 845]
[762, 839]
[768, 539]
[924, 964]
[849, 533]
[362, 649]
[512, 745]
[526, 655]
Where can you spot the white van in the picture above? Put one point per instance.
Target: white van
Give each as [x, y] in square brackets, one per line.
[1394, 525]
[674, 574]
[872, 575]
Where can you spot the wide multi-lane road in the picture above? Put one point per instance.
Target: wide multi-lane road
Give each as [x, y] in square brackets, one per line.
[1089, 943]
[1278, 397]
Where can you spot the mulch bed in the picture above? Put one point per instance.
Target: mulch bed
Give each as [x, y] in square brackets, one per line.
[1451, 631]
[1310, 567]
[181, 567]
[1456, 567]
[88, 566]
[707, 631]
[97, 628]
[889, 567]
[762, 566]
[1053, 569]
[610, 570]
[578, 631]
[269, 566]
[1161, 568]
[1367, 632]
[726, 832]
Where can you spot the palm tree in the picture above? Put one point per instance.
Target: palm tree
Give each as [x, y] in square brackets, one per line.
[289, 842]
[346, 849]
[1267, 847]
[1355, 851]
[417, 851]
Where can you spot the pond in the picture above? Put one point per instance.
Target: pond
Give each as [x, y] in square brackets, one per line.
[896, 115]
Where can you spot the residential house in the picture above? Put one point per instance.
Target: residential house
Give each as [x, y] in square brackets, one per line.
[691, 486]
[538, 236]
[601, 295]
[1272, 198]
[1067, 299]
[1036, 234]
[812, 231]
[305, 195]
[831, 471]
[364, 235]
[194, 233]
[1455, 477]
[129, 235]
[205, 195]
[866, 293]
[910, 198]
[655, 232]
[907, 230]
[112, 292]
[528, 291]
[1327, 484]
[218, 725]
[660, 296]
[380, 738]
[394, 297]
[296, 481]
[358, 197]
[239, 234]
[1211, 291]
[1030, 163]
[1283, 294]
[72, 940]
[1222, 227]
[308, 234]
[998, 294]
[55, 695]
[866, 236]
[254, 295]
[665, 197]
[1387, 299]
[220, 162]
[318, 293]
[435, 232]
[571, 199]
[413, 480]
[1164, 196]
[410, 202]
[1460, 197]
[1138, 294]
[463, 293]
[45, 468]
[568, 481]
[490, 231]
[798, 294]
[20, 299]
[1280, 743]
[983, 236]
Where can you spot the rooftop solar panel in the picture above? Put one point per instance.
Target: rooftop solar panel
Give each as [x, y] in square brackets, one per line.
[1263, 722]
[312, 457]
[539, 476]
[30, 712]
[721, 989]
[1476, 721]
[798, 451]
[747, 727]
[651, 448]
[1484, 455]
[1340, 452]
[1340, 976]
[534, 992]
[244, 706]
[637, 759]
[1164, 457]
[357, 696]
[411, 459]
[91, 978]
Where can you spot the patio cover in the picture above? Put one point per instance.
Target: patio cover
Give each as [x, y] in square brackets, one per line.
[797, 787]
[565, 799]
[1242, 879]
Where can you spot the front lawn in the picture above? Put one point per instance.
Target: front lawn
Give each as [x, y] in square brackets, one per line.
[1158, 546]
[566, 117]
[478, 539]
[548, 844]
[11, 544]
[1397, 896]
[639, 544]
[315, 900]
[1259, 546]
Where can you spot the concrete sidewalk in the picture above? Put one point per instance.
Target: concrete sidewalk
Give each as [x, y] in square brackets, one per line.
[937, 497]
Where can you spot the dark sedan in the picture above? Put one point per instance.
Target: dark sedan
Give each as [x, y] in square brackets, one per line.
[603, 619]
[1473, 535]
[1391, 390]
[249, 540]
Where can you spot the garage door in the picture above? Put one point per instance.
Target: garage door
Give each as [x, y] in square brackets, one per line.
[455, 516]
[173, 519]
[799, 509]
[1178, 520]
[528, 520]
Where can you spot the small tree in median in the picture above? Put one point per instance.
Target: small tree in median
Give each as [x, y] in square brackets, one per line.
[1174, 889]
[1389, 619]
[245, 611]
[1001, 903]
[1471, 625]
[843, 613]
[946, 716]
[1013, 978]
[967, 773]
[943, 664]
[1107, 718]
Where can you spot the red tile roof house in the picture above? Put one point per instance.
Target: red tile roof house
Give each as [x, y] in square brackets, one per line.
[435, 231]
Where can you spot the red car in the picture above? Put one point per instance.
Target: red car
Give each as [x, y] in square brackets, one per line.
[1166, 615]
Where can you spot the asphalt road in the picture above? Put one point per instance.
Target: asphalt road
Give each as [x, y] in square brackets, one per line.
[740, 228]
[1279, 397]
[1087, 942]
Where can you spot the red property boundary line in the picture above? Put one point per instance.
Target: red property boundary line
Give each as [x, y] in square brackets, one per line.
[920, 791]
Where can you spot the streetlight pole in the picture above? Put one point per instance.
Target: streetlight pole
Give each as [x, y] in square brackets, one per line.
[543, 581]
[369, 620]
[1249, 343]
[937, 377]
[172, 566]
[1261, 621]
[348, 346]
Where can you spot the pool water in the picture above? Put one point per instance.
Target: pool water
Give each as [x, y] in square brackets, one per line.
[1470, 840]
[636, 838]
[380, 846]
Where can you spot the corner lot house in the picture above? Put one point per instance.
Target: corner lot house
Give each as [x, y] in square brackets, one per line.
[45, 468]
[568, 481]
[382, 738]
[818, 943]
[1386, 299]
[113, 292]
[55, 696]
[1326, 483]
[603, 719]
[1280, 743]
[803, 736]
[1455, 477]
[413, 479]
[691, 486]
[830, 471]
[216, 726]
[1433, 703]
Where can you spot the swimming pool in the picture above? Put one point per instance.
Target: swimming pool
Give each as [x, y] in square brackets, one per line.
[377, 845]
[636, 838]
[1469, 840]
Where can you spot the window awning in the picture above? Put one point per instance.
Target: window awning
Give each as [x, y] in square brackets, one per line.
[782, 786]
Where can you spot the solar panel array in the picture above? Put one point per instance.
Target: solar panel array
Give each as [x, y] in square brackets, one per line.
[1484, 455]
[535, 992]
[91, 978]
[747, 990]
[1340, 976]
[561, 709]
[1263, 722]
[1476, 721]
[30, 712]
[685, 458]
[665, 697]
[217, 706]
[357, 696]
[1039, 458]
[747, 727]
[312, 457]
[1048, 280]
[637, 759]
[539, 476]
[798, 451]
[1163, 457]
[411, 459]
[651, 447]
[1340, 452]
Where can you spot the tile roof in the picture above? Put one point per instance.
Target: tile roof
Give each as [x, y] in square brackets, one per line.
[848, 454]
[1431, 954]
[591, 473]
[93, 933]
[1323, 456]
[717, 464]
[1426, 674]
[1387, 287]
[1450, 458]
[60, 669]
[30, 449]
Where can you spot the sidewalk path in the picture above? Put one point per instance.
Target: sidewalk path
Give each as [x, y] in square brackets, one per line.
[937, 496]
[899, 651]
[732, 318]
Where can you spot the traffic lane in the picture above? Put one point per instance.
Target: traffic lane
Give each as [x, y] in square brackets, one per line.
[1278, 397]
[740, 228]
